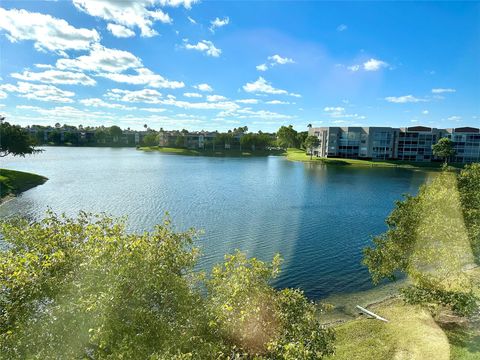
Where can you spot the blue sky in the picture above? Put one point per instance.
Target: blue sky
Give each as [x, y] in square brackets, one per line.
[219, 65]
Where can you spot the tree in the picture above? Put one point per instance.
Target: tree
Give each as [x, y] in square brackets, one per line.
[428, 239]
[115, 132]
[86, 288]
[249, 141]
[100, 135]
[15, 141]
[287, 136]
[260, 320]
[150, 139]
[468, 185]
[300, 139]
[443, 149]
[224, 139]
[180, 141]
[311, 142]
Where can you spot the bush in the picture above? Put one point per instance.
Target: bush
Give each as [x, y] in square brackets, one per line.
[85, 288]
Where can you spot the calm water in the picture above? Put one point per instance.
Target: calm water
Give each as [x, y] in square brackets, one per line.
[319, 218]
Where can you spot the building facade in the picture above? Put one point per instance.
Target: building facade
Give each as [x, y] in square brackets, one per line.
[190, 140]
[386, 143]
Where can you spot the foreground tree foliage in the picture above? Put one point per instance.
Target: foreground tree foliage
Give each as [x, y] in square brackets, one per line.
[85, 288]
[15, 141]
[434, 239]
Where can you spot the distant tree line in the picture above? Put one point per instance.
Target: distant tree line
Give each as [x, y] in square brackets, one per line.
[237, 138]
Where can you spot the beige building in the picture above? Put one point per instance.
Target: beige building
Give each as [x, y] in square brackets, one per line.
[410, 144]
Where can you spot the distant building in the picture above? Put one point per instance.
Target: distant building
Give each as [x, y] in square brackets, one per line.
[410, 144]
[190, 140]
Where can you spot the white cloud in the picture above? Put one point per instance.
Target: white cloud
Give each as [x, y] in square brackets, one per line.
[277, 59]
[262, 67]
[148, 96]
[374, 65]
[370, 65]
[153, 97]
[442, 90]
[96, 102]
[454, 118]
[48, 32]
[342, 27]
[56, 77]
[153, 110]
[3, 95]
[102, 59]
[187, 4]
[339, 112]
[111, 63]
[220, 105]
[131, 13]
[203, 87]
[216, 98]
[277, 102]
[192, 95]
[247, 113]
[69, 114]
[39, 92]
[205, 46]
[425, 112]
[334, 109]
[274, 60]
[247, 101]
[218, 23]
[404, 99]
[120, 31]
[144, 76]
[262, 86]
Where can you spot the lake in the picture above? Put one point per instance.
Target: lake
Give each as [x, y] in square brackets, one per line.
[317, 217]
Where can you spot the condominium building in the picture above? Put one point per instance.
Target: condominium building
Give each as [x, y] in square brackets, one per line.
[191, 140]
[411, 144]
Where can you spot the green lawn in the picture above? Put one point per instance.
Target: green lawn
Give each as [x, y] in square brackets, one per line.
[411, 333]
[218, 153]
[14, 182]
[296, 155]
[300, 155]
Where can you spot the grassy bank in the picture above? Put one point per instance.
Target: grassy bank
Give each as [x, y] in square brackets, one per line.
[411, 333]
[216, 153]
[300, 155]
[14, 182]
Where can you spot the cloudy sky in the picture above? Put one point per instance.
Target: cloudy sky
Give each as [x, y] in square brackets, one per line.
[218, 65]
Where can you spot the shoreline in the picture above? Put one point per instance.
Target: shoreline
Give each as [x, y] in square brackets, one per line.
[212, 153]
[300, 156]
[13, 183]
[297, 155]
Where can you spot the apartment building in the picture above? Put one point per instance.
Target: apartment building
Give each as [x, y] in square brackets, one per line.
[382, 143]
[191, 140]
